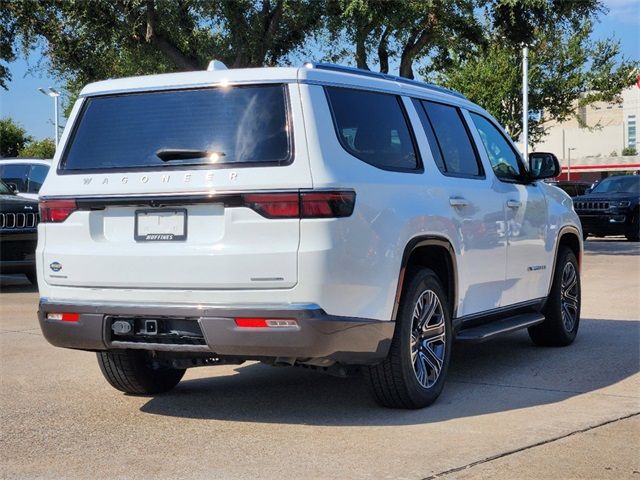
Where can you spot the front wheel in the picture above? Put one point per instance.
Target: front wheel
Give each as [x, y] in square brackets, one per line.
[134, 372]
[413, 374]
[562, 309]
[633, 234]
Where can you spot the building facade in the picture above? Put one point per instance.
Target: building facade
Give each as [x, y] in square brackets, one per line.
[607, 143]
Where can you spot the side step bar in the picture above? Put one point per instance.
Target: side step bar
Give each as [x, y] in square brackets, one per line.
[491, 330]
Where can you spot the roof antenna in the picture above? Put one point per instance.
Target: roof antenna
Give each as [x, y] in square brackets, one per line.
[215, 65]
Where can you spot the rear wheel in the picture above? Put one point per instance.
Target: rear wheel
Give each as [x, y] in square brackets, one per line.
[413, 374]
[562, 309]
[133, 371]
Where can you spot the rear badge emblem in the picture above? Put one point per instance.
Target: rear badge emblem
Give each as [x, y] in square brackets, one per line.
[55, 266]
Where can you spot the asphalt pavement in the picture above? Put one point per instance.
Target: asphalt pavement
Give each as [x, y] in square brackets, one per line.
[509, 409]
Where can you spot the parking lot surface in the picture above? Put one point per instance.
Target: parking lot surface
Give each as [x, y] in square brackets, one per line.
[509, 409]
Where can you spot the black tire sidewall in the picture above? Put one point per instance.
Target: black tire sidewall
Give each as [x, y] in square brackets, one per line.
[553, 308]
[420, 281]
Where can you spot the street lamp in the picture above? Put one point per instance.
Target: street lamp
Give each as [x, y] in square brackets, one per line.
[53, 93]
[569, 162]
[525, 101]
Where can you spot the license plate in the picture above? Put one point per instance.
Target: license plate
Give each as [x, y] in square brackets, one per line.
[160, 225]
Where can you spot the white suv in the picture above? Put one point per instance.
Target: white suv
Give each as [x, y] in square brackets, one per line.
[320, 216]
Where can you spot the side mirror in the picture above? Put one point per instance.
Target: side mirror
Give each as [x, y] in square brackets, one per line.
[543, 165]
[13, 187]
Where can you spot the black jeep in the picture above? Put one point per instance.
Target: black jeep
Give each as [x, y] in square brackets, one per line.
[611, 208]
[18, 233]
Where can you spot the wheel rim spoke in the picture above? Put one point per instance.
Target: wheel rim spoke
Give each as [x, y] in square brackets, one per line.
[569, 296]
[428, 339]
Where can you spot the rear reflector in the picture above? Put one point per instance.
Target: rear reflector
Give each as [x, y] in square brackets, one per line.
[326, 204]
[56, 211]
[265, 322]
[64, 317]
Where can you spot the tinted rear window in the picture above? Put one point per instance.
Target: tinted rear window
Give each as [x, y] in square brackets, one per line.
[242, 125]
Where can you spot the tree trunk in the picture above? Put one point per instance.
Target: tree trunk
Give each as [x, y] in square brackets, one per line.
[383, 51]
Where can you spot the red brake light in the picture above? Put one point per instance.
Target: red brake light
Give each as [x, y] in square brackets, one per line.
[55, 211]
[274, 205]
[327, 204]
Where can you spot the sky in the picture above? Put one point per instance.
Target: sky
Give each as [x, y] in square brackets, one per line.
[34, 111]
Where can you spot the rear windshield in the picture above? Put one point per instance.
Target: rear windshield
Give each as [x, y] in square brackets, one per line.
[244, 126]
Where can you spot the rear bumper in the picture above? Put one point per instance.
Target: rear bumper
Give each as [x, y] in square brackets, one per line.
[318, 335]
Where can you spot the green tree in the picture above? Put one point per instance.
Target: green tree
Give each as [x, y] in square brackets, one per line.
[380, 30]
[567, 71]
[45, 148]
[87, 41]
[12, 138]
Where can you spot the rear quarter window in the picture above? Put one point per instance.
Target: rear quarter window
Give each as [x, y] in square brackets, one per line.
[373, 127]
[243, 126]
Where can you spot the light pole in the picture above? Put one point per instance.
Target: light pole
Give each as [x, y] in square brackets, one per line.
[525, 102]
[569, 162]
[53, 93]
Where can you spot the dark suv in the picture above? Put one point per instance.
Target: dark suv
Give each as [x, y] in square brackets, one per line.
[611, 208]
[18, 233]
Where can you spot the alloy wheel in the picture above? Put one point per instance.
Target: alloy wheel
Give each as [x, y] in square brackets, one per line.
[428, 343]
[569, 301]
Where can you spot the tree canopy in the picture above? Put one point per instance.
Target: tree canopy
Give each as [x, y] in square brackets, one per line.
[13, 138]
[471, 45]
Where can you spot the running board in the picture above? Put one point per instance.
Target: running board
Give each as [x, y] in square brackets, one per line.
[491, 330]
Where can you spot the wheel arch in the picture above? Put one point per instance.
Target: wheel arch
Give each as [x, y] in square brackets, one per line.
[436, 253]
[569, 236]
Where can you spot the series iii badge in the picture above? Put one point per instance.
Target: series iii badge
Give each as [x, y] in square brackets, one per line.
[55, 266]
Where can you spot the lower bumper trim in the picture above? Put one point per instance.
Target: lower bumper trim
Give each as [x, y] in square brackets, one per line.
[319, 335]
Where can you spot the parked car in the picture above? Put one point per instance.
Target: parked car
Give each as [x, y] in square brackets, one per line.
[24, 175]
[611, 208]
[18, 233]
[573, 189]
[319, 216]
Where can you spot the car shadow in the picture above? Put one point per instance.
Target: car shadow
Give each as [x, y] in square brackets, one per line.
[16, 283]
[506, 374]
[611, 246]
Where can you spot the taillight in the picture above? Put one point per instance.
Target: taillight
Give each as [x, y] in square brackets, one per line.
[55, 211]
[326, 204]
[274, 205]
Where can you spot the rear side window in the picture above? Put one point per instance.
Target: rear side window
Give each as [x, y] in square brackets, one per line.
[241, 126]
[450, 141]
[15, 174]
[373, 127]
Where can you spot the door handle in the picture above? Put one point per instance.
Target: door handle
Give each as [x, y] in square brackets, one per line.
[514, 203]
[458, 202]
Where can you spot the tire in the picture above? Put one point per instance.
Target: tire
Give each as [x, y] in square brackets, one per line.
[32, 277]
[562, 308]
[413, 374]
[633, 235]
[131, 371]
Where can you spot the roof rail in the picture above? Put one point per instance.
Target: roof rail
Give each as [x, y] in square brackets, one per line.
[385, 76]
